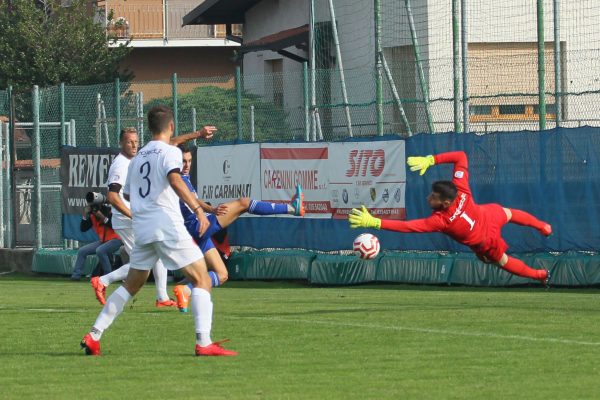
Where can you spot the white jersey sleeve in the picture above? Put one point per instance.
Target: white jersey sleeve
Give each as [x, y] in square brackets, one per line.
[117, 174]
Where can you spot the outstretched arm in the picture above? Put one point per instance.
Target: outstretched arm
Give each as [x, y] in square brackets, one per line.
[460, 176]
[206, 132]
[363, 219]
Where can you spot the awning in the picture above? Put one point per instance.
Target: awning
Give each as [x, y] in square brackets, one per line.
[213, 12]
[278, 41]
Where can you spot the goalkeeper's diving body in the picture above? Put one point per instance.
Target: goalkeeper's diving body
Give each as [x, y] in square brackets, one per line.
[456, 214]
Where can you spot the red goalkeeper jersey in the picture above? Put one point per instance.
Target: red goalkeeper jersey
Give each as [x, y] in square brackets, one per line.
[464, 220]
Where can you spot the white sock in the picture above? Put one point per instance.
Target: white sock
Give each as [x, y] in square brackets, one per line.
[160, 280]
[117, 275]
[113, 307]
[202, 308]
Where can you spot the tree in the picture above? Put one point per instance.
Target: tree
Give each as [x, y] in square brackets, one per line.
[218, 106]
[44, 44]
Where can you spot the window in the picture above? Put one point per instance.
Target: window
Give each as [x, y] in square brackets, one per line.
[509, 112]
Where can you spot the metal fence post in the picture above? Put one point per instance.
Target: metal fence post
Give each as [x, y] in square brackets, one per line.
[238, 96]
[541, 65]
[73, 133]
[175, 110]
[378, 69]
[252, 123]
[194, 126]
[2, 152]
[456, 66]
[37, 175]
[63, 131]
[9, 175]
[305, 84]
[117, 106]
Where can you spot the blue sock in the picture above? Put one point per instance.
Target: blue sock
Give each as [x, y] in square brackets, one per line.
[214, 279]
[265, 208]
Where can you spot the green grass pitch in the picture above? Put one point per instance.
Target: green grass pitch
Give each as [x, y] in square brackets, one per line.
[301, 342]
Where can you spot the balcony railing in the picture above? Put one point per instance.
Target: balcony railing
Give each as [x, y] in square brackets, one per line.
[156, 21]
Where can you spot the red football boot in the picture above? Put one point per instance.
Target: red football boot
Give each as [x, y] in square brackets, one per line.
[214, 349]
[99, 289]
[91, 346]
[165, 303]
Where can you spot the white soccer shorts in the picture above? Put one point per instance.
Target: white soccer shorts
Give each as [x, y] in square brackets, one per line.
[127, 238]
[174, 254]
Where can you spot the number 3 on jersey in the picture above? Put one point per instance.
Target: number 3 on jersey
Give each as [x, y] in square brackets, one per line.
[145, 167]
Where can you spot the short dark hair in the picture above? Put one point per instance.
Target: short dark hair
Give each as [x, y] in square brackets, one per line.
[184, 148]
[446, 189]
[159, 118]
[124, 131]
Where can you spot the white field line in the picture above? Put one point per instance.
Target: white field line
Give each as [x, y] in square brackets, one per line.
[374, 326]
[420, 330]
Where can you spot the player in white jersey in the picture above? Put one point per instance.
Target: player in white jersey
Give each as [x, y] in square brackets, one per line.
[154, 186]
[117, 176]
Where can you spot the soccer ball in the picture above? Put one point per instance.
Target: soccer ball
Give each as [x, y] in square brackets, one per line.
[366, 246]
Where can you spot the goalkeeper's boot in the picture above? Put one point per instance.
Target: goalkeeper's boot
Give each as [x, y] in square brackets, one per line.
[546, 280]
[99, 289]
[182, 296]
[298, 202]
[165, 303]
[91, 346]
[546, 229]
[214, 349]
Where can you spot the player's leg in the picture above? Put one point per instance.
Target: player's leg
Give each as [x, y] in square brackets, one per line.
[104, 251]
[160, 281]
[518, 267]
[177, 255]
[521, 217]
[217, 272]
[101, 283]
[256, 207]
[138, 274]
[82, 254]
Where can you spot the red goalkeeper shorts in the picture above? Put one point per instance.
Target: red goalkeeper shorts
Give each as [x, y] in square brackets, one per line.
[491, 249]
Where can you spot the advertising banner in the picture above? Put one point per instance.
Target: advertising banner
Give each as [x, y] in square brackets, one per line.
[82, 170]
[226, 173]
[369, 173]
[283, 166]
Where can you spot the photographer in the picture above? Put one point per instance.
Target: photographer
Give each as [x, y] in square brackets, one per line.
[97, 215]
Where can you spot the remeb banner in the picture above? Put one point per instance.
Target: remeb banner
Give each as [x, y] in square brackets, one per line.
[82, 170]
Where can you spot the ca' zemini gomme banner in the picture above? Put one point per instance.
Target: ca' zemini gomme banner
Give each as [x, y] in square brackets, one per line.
[83, 170]
[335, 177]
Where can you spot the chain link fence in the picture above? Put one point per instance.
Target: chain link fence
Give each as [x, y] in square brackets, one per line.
[389, 67]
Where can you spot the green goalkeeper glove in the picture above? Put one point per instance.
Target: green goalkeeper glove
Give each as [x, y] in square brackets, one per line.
[362, 219]
[420, 163]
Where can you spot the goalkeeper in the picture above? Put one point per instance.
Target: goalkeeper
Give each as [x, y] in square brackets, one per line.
[456, 214]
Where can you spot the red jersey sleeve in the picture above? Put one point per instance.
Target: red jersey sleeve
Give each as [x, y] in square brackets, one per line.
[460, 176]
[430, 224]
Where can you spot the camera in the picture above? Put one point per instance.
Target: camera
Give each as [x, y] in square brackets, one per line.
[95, 198]
[97, 202]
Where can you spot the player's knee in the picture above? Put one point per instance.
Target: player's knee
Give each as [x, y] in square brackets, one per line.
[244, 202]
[223, 277]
